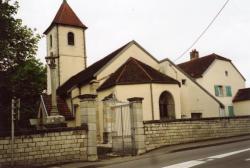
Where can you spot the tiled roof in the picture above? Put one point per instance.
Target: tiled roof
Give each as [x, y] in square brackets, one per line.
[136, 72]
[242, 95]
[66, 16]
[61, 106]
[87, 75]
[195, 68]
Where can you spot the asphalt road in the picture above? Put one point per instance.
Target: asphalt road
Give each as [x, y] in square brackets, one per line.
[233, 155]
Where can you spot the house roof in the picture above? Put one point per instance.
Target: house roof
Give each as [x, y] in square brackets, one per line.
[88, 74]
[195, 68]
[66, 16]
[136, 72]
[61, 106]
[242, 95]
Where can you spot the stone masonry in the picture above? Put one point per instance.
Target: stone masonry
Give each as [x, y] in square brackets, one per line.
[88, 109]
[45, 147]
[160, 133]
[138, 135]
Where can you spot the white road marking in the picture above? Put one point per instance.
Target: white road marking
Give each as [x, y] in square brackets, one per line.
[193, 163]
[186, 164]
[228, 154]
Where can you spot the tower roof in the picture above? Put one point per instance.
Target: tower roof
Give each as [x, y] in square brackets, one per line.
[66, 16]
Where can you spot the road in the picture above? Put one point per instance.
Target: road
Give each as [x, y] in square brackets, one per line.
[233, 155]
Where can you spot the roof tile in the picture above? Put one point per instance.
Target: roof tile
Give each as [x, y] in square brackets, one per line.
[242, 95]
[87, 75]
[136, 72]
[195, 68]
[66, 16]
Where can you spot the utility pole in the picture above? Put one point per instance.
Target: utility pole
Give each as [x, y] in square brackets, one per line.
[15, 115]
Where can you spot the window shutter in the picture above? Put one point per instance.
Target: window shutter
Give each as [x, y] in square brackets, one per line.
[231, 111]
[229, 91]
[216, 89]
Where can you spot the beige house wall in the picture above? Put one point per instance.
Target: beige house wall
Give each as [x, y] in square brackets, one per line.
[132, 51]
[71, 57]
[123, 92]
[215, 75]
[193, 98]
[53, 49]
[174, 90]
[242, 108]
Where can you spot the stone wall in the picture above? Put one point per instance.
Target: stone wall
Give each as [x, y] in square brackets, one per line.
[45, 147]
[159, 133]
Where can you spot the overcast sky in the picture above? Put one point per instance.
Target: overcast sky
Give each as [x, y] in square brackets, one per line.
[165, 28]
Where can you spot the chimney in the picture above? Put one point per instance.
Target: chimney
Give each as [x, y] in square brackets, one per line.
[194, 54]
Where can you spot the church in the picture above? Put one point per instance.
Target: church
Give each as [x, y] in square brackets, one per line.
[168, 90]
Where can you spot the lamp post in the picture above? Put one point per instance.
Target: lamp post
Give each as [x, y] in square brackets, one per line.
[51, 61]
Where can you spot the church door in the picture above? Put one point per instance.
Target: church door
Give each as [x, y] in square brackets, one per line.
[167, 108]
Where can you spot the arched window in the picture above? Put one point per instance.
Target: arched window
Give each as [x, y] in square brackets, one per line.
[50, 41]
[71, 38]
[167, 107]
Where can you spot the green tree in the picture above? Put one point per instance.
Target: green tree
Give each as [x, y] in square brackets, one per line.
[21, 74]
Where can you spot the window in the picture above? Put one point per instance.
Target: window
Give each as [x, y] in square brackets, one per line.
[226, 73]
[196, 115]
[219, 90]
[71, 38]
[183, 81]
[50, 41]
[75, 108]
[228, 91]
[231, 111]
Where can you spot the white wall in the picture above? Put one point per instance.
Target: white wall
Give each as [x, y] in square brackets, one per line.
[124, 92]
[193, 98]
[53, 49]
[71, 57]
[215, 75]
[242, 108]
[132, 51]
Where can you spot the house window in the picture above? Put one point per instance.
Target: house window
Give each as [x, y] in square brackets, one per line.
[50, 41]
[228, 91]
[183, 81]
[231, 111]
[71, 38]
[75, 107]
[196, 115]
[226, 73]
[219, 90]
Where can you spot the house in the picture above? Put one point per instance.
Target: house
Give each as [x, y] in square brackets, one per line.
[241, 102]
[217, 75]
[168, 91]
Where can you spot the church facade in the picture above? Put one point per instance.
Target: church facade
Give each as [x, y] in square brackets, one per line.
[168, 91]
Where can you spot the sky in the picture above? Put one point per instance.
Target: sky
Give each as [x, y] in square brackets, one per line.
[165, 28]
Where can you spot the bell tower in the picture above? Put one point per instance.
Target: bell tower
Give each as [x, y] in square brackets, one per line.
[66, 43]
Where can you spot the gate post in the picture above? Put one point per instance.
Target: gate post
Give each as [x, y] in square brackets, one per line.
[88, 109]
[107, 135]
[138, 136]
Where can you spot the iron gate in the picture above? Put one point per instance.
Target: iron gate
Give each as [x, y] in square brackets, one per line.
[122, 139]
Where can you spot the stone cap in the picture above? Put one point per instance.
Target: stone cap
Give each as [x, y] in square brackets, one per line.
[87, 96]
[135, 99]
[34, 131]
